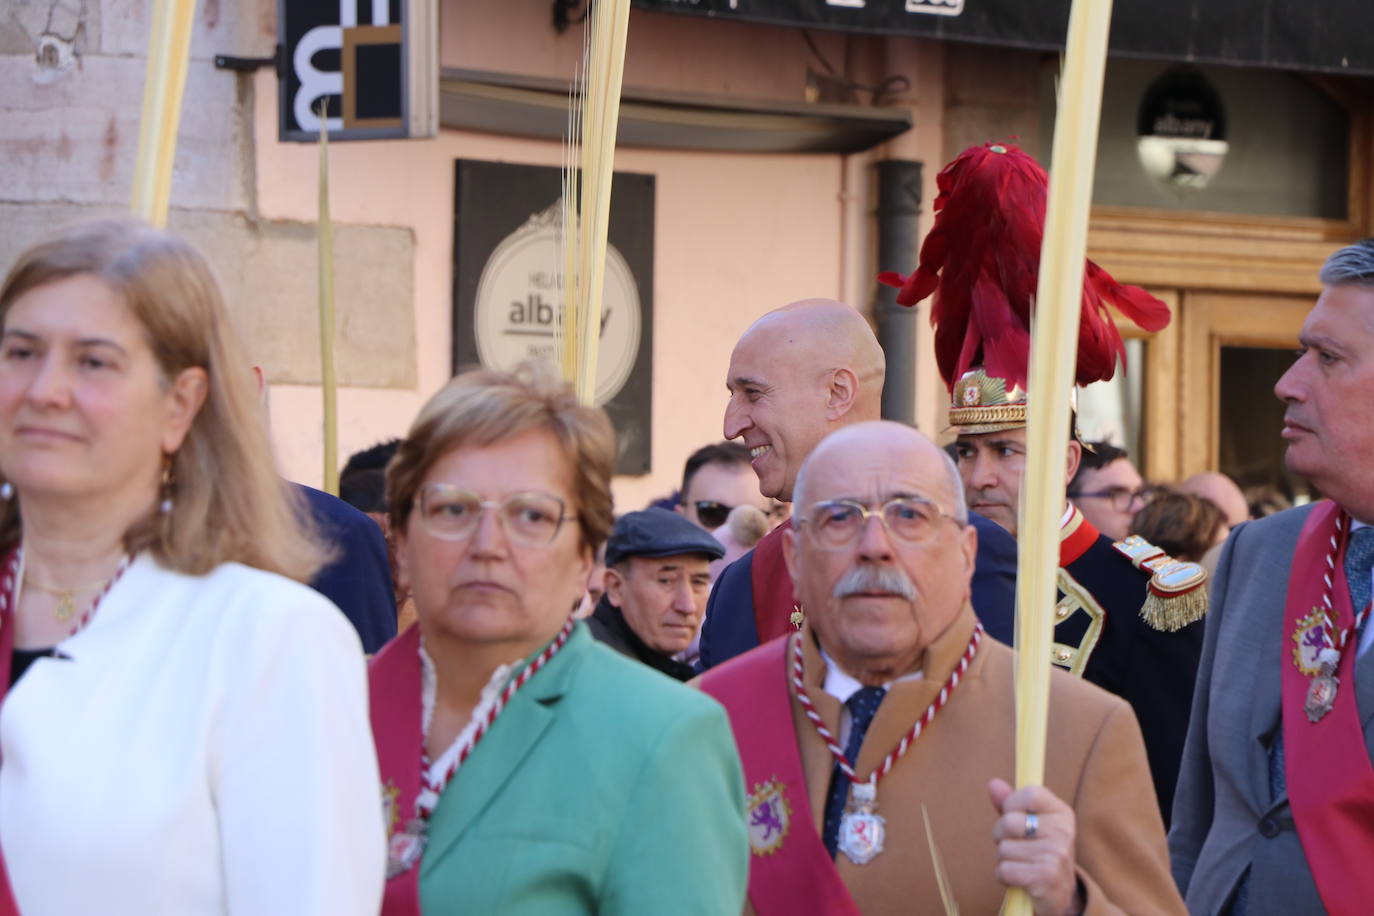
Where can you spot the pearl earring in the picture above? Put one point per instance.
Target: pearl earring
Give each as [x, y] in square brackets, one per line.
[165, 506]
[6, 491]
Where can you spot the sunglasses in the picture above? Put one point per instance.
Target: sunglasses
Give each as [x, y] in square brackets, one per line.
[712, 514]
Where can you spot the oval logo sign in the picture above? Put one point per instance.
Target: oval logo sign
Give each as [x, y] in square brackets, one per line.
[519, 300]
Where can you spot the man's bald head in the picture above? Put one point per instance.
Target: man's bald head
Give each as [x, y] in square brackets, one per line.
[889, 442]
[828, 333]
[1221, 490]
[796, 374]
[877, 594]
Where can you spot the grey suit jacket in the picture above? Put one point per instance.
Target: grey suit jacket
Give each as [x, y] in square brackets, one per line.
[1224, 818]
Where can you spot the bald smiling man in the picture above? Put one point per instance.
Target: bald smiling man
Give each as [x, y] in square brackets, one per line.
[796, 375]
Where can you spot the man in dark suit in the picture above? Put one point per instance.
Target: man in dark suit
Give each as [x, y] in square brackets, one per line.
[796, 375]
[1275, 804]
[359, 578]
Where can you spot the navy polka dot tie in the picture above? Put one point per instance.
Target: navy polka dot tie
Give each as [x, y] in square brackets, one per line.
[1359, 559]
[862, 705]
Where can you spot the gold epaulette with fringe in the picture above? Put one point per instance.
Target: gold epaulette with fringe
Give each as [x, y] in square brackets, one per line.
[1178, 589]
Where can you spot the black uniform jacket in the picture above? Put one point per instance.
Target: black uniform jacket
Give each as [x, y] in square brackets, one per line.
[1104, 638]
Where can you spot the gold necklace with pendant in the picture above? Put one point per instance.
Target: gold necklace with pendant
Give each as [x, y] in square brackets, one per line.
[66, 597]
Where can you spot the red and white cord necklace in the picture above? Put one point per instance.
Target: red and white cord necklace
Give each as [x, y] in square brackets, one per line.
[407, 845]
[14, 575]
[1321, 692]
[861, 830]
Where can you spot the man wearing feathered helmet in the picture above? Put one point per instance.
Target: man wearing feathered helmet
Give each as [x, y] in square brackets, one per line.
[1129, 617]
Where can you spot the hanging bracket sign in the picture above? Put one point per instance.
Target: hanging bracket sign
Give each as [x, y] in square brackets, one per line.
[374, 66]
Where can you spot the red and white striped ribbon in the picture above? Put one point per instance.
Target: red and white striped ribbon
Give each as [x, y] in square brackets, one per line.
[1343, 634]
[90, 611]
[428, 798]
[799, 682]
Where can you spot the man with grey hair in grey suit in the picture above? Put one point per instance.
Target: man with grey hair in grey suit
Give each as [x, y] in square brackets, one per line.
[1274, 811]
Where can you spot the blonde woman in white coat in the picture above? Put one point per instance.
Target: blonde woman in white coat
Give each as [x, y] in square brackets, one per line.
[185, 724]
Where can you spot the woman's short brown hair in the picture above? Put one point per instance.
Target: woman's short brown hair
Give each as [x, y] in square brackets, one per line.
[229, 502]
[1181, 524]
[484, 406]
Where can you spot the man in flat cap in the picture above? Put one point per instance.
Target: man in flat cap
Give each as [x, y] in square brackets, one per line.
[658, 578]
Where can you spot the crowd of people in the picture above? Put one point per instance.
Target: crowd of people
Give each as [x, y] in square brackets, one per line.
[789, 691]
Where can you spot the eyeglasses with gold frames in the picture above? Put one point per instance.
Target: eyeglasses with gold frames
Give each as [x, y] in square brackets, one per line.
[835, 523]
[531, 518]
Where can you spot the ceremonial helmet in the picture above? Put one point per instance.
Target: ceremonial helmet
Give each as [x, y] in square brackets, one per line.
[982, 403]
[981, 261]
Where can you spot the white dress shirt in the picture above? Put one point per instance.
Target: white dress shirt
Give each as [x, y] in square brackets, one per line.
[201, 747]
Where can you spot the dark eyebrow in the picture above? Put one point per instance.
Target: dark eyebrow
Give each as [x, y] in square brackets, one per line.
[1005, 443]
[1320, 341]
[82, 342]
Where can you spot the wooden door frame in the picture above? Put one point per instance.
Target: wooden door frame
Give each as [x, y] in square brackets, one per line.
[1201, 250]
[1212, 320]
[1199, 262]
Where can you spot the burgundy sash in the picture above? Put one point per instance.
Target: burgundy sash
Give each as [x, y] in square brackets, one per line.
[7, 905]
[796, 874]
[1330, 778]
[772, 585]
[394, 691]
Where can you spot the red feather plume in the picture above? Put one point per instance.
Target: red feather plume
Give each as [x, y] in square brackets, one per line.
[982, 261]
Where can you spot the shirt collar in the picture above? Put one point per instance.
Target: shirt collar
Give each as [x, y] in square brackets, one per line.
[841, 685]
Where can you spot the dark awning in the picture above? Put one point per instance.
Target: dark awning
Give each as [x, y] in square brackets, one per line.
[526, 106]
[1325, 35]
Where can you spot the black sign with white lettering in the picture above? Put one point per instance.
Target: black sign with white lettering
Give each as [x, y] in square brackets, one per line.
[349, 55]
[506, 293]
[1332, 35]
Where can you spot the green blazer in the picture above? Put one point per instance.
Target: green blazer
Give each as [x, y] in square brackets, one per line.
[604, 787]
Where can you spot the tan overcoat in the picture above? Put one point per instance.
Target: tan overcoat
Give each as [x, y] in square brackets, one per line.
[1095, 762]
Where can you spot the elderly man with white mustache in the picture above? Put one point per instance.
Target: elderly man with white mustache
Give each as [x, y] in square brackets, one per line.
[890, 700]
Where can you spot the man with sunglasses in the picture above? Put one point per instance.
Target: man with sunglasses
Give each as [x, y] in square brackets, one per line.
[1108, 489]
[716, 479]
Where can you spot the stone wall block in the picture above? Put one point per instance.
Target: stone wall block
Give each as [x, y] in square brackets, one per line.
[76, 139]
[234, 27]
[270, 278]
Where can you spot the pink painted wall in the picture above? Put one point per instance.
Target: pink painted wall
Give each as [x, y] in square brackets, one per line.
[736, 235]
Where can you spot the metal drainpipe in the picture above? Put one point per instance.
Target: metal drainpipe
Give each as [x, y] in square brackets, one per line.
[899, 206]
